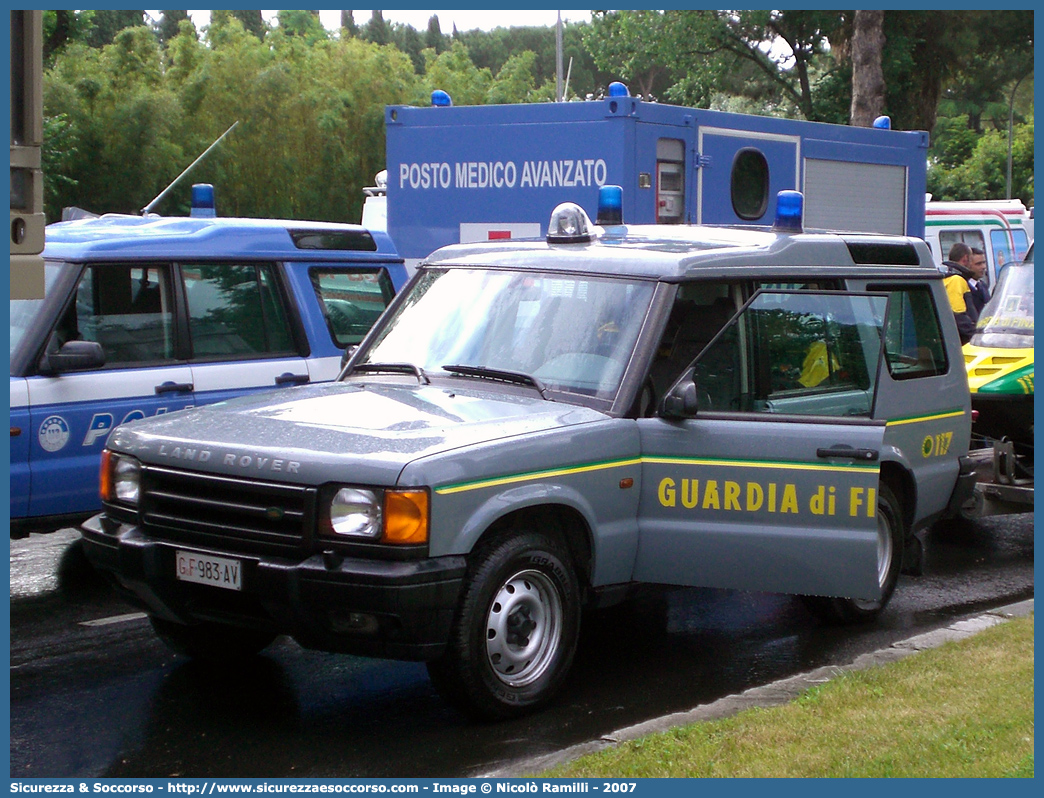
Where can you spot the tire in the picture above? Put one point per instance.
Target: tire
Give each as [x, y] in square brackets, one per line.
[515, 631]
[212, 642]
[890, 542]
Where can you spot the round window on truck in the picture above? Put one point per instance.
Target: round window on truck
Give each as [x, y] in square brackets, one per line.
[750, 184]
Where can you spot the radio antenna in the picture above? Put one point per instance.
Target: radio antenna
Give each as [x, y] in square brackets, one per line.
[162, 194]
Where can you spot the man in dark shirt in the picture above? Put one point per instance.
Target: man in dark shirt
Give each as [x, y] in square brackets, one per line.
[980, 294]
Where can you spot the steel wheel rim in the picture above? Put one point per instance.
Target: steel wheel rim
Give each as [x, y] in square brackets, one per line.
[523, 628]
[884, 549]
[884, 559]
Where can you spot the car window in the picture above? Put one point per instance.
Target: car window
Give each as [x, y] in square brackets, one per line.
[913, 343]
[1008, 247]
[795, 352]
[128, 309]
[235, 310]
[351, 300]
[699, 312]
[947, 238]
[24, 311]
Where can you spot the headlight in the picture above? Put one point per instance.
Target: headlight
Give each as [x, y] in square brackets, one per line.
[381, 516]
[120, 478]
[356, 513]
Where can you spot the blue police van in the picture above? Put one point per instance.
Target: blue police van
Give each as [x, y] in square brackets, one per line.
[148, 315]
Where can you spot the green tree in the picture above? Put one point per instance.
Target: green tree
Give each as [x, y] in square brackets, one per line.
[108, 23]
[630, 45]
[64, 26]
[689, 55]
[169, 24]
[304, 24]
[58, 157]
[377, 30]
[407, 40]
[453, 71]
[433, 37]
[348, 26]
[253, 22]
[120, 126]
[983, 174]
[514, 82]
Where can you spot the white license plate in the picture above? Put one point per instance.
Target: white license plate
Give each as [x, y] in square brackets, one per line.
[206, 569]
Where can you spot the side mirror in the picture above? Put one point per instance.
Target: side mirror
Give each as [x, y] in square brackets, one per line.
[73, 356]
[681, 402]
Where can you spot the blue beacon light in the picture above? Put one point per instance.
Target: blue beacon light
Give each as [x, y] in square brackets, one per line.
[883, 123]
[789, 208]
[610, 206]
[203, 201]
[441, 99]
[618, 89]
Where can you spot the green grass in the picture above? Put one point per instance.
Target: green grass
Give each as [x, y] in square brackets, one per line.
[962, 710]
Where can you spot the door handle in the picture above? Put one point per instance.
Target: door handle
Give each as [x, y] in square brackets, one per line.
[292, 379]
[174, 387]
[847, 452]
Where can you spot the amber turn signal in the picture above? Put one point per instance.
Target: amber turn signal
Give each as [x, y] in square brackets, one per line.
[406, 516]
[105, 477]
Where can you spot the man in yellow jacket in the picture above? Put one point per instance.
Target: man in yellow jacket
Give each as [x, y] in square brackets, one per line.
[958, 272]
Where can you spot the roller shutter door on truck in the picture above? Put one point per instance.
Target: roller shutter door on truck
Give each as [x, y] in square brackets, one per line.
[857, 197]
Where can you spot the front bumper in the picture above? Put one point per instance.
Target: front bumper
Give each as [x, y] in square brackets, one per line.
[377, 608]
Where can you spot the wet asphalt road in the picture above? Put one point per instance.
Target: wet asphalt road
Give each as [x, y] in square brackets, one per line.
[95, 694]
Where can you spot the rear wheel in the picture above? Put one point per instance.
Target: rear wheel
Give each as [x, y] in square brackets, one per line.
[213, 642]
[516, 629]
[890, 541]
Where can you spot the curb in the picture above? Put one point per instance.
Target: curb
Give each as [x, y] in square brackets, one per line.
[769, 695]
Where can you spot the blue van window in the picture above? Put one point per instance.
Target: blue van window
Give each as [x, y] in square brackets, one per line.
[750, 184]
[125, 308]
[235, 311]
[351, 300]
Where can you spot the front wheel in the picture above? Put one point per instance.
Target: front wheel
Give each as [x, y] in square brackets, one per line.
[516, 629]
[213, 642]
[890, 542]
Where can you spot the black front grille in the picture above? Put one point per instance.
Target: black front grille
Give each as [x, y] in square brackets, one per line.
[236, 515]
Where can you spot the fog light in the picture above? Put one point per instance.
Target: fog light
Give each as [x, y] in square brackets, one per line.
[360, 623]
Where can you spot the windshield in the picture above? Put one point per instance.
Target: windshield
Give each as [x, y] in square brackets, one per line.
[1006, 321]
[23, 311]
[570, 333]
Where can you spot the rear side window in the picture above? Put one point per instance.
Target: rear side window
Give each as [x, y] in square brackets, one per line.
[352, 300]
[913, 340]
[235, 310]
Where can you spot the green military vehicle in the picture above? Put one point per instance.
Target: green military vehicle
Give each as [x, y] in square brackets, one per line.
[536, 427]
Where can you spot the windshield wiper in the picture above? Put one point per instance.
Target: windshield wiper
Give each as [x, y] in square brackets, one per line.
[394, 368]
[484, 373]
